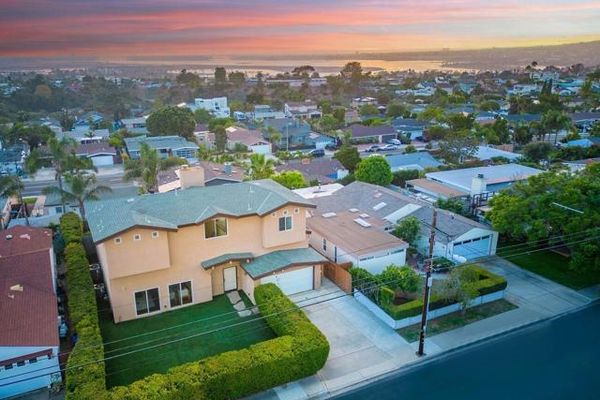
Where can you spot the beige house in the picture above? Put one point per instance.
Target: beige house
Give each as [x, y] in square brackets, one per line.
[164, 251]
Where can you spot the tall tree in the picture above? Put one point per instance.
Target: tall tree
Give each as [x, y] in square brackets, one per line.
[290, 179]
[80, 187]
[12, 186]
[554, 121]
[220, 77]
[458, 145]
[348, 156]
[375, 170]
[220, 138]
[171, 120]
[147, 166]
[260, 167]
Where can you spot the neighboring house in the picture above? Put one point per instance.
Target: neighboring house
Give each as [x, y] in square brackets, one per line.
[12, 159]
[419, 161]
[486, 153]
[469, 182]
[325, 170]
[523, 118]
[166, 146]
[350, 237]
[101, 154]
[264, 111]
[51, 205]
[294, 132]
[358, 102]
[135, 126]
[5, 209]
[216, 106]
[305, 109]
[204, 173]
[251, 139]
[587, 142]
[168, 250]
[85, 135]
[486, 117]
[457, 238]
[318, 191]
[578, 165]
[410, 127]
[585, 120]
[376, 134]
[29, 341]
[83, 121]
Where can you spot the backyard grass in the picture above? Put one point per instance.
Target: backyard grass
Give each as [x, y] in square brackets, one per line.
[198, 319]
[457, 319]
[556, 267]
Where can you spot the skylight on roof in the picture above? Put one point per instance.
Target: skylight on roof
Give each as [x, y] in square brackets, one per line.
[329, 215]
[364, 215]
[353, 210]
[362, 222]
[379, 206]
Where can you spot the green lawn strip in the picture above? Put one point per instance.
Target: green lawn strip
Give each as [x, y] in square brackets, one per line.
[556, 267]
[457, 319]
[212, 315]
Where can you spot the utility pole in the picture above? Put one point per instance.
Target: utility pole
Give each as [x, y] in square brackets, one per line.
[427, 291]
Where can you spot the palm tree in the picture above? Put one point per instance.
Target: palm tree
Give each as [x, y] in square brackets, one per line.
[260, 167]
[147, 166]
[81, 187]
[13, 186]
[554, 121]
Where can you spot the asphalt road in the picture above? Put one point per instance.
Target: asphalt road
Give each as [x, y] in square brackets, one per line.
[35, 188]
[557, 359]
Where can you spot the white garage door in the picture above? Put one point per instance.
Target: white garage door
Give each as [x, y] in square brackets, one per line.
[102, 161]
[469, 249]
[292, 282]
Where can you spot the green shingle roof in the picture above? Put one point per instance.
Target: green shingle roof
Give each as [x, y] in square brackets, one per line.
[277, 260]
[172, 210]
[212, 262]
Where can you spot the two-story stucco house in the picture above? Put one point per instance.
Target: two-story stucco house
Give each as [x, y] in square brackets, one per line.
[163, 251]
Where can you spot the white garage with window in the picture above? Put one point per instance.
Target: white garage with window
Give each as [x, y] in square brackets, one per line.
[296, 281]
[102, 160]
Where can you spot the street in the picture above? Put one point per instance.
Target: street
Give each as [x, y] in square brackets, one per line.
[557, 359]
[34, 188]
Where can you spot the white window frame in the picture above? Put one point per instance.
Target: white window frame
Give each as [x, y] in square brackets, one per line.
[118, 240]
[155, 234]
[285, 218]
[149, 312]
[296, 210]
[215, 221]
[137, 237]
[179, 283]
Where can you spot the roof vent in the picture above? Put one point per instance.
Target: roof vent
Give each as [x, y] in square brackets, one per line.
[25, 236]
[329, 215]
[362, 222]
[353, 210]
[130, 200]
[377, 195]
[8, 237]
[379, 206]
[364, 215]
[16, 288]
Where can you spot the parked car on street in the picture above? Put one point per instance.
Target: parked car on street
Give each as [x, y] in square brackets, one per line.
[388, 147]
[395, 142]
[316, 153]
[373, 148]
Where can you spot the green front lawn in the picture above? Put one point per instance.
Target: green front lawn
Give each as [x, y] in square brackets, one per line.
[556, 267]
[198, 319]
[457, 319]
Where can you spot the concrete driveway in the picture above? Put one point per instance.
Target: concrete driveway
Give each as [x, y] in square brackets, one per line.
[362, 346]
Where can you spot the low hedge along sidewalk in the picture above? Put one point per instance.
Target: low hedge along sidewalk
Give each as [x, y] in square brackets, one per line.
[299, 351]
[489, 283]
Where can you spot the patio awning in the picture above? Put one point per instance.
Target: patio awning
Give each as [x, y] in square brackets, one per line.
[224, 258]
[276, 260]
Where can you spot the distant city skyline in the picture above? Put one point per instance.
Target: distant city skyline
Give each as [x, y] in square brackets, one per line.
[120, 29]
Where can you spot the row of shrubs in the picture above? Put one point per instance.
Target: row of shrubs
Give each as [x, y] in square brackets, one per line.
[85, 375]
[300, 350]
[370, 285]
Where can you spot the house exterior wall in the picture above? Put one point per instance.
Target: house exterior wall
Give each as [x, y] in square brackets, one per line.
[473, 234]
[28, 375]
[176, 256]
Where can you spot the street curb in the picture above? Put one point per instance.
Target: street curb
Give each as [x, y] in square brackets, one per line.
[443, 354]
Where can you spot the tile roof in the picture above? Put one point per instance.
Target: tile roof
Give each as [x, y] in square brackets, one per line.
[323, 169]
[91, 149]
[245, 136]
[276, 260]
[171, 210]
[28, 317]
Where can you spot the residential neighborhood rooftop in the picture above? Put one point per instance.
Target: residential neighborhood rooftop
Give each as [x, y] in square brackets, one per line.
[462, 178]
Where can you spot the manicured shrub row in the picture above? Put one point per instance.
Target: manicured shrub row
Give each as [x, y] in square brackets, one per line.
[85, 376]
[487, 283]
[71, 228]
[299, 351]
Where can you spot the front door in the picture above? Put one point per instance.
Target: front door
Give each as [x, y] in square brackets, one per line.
[230, 279]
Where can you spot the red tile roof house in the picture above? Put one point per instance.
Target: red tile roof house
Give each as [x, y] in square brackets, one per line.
[29, 339]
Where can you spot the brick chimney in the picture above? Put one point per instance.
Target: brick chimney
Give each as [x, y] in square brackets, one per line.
[191, 176]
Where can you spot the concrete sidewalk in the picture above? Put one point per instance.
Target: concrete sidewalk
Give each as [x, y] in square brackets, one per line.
[363, 348]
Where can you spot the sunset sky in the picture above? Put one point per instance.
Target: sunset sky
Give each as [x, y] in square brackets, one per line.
[122, 28]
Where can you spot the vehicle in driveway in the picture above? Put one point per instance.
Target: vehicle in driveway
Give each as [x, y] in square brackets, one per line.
[394, 141]
[388, 147]
[316, 153]
[373, 148]
[331, 146]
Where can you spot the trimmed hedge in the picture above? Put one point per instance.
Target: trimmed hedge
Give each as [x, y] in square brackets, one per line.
[85, 376]
[299, 351]
[487, 283]
[71, 228]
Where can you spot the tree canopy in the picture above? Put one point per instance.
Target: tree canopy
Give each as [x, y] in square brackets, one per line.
[348, 156]
[375, 170]
[290, 179]
[171, 120]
